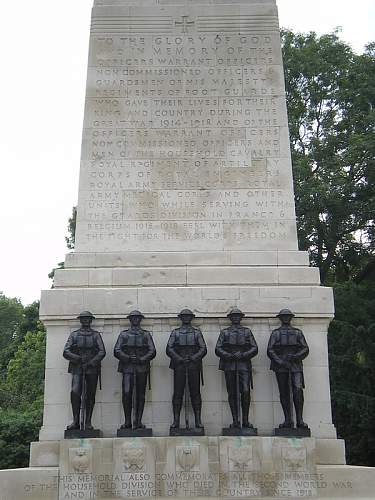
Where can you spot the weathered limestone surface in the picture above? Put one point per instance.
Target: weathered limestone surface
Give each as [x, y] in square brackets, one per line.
[185, 143]
[207, 467]
[34, 483]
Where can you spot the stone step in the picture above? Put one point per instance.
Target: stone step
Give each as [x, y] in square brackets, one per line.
[175, 259]
[186, 276]
[214, 301]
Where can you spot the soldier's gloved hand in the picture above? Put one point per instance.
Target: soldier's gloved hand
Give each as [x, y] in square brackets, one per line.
[286, 364]
[187, 360]
[133, 359]
[237, 356]
[91, 364]
[84, 365]
[77, 360]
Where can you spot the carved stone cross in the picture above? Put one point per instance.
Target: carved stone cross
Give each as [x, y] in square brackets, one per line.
[185, 24]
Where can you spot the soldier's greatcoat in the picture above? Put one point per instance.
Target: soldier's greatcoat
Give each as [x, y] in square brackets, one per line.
[84, 346]
[234, 339]
[136, 342]
[186, 341]
[287, 344]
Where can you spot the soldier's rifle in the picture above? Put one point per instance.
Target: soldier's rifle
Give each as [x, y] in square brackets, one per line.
[290, 396]
[238, 395]
[82, 409]
[134, 392]
[235, 351]
[187, 396]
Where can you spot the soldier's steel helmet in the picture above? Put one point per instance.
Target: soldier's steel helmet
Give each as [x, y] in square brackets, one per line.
[285, 312]
[135, 313]
[186, 312]
[235, 311]
[85, 314]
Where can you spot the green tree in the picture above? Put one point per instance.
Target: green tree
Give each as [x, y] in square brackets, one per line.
[22, 353]
[352, 369]
[71, 238]
[331, 105]
[17, 431]
[11, 315]
[25, 377]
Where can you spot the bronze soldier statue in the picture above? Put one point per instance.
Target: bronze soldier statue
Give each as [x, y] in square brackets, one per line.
[186, 348]
[236, 347]
[287, 348]
[134, 349]
[85, 350]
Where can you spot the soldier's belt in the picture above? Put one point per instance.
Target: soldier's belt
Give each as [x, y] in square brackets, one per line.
[236, 348]
[286, 349]
[87, 354]
[188, 351]
[132, 352]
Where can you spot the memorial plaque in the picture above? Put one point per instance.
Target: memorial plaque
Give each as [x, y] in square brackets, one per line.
[134, 468]
[187, 468]
[185, 142]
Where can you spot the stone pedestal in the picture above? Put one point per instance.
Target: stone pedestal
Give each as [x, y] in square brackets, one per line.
[244, 431]
[292, 432]
[134, 433]
[186, 467]
[183, 432]
[82, 434]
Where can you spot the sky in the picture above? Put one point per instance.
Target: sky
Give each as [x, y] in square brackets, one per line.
[44, 63]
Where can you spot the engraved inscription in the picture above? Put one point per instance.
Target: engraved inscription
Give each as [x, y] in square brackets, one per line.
[185, 142]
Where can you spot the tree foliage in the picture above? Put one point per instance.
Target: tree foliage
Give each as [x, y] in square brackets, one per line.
[352, 369]
[71, 238]
[22, 354]
[26, 369]
[11, 315]
[331, 106]
[17, 431]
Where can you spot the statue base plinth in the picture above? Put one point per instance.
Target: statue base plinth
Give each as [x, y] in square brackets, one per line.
[186, 432]
[134, 432]
[239, 431]
[297, 432]
[82, 434]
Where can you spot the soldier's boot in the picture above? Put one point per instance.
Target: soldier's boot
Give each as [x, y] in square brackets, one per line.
[245, 403]
[288, 420]
[89, 411]
[232, 400]
[138, 414]
[177, 405]
[76, 405]
[298, 403]
[197, 408]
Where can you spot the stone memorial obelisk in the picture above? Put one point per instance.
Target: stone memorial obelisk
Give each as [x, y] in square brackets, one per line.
[186, 201]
